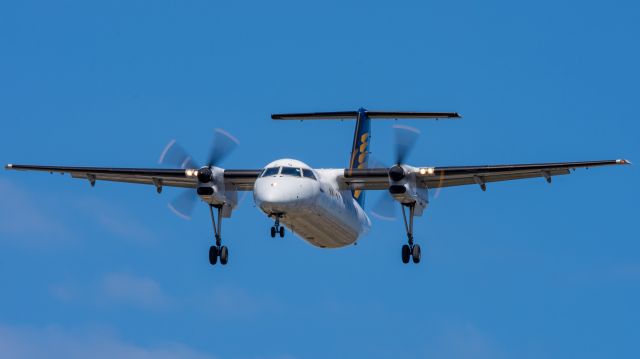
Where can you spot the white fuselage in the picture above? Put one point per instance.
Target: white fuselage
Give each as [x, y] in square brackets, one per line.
[311, 205]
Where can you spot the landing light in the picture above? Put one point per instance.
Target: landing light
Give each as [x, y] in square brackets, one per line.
[427, 171]
[190, 172]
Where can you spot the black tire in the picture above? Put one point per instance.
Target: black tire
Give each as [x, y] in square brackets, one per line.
[213, 255]
[406, 253]
[281, 232]
[416, 253]
[273, 232]
[224, 255]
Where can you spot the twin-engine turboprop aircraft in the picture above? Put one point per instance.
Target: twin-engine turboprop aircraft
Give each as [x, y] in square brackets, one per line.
[325, 207]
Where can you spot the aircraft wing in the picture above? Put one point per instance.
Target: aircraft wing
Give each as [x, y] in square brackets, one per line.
[242, 180]
[435, 177]
[366, 179]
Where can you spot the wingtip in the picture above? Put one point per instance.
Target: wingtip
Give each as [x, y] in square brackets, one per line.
[8, 166]
[623, 162]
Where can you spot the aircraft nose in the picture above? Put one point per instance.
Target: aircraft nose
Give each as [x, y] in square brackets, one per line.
[279, 195]
[271, 196]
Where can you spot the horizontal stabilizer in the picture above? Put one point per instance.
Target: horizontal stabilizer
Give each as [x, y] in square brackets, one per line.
[340, 115]
[417, 115]
[351, 115]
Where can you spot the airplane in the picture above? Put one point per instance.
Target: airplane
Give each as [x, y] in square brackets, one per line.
[324, 207]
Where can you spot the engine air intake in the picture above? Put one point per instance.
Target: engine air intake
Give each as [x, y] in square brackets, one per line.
[205, 191]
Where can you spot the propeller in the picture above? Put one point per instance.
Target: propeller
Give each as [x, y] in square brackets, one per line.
[405, 139]
[385, 208]
[175, 155]
[182, 205]
[223, 144]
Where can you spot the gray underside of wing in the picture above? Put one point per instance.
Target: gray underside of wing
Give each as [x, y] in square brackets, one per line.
[436, 177]
[382, 183]
[148, 180]
[461, 180]
[240, 180]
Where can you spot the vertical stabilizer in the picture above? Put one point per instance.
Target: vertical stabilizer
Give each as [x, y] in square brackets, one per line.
[360, 150]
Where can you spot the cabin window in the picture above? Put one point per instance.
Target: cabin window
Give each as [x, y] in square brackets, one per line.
[271, 171]
[308, 173]
[291, 171]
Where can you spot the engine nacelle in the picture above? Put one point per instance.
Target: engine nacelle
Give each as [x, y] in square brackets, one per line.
[211, 189]
[404, 189]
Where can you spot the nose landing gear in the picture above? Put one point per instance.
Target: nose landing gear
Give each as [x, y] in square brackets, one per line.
[218, 250]
[277, 228]
[410, 250]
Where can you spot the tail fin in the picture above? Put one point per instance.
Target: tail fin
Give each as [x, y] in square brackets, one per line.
[362, 136]
[360, 149]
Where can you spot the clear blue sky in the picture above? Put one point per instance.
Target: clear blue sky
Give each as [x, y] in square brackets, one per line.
[525, 270]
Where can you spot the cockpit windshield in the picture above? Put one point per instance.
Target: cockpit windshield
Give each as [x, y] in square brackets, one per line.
[291, 171]
[271, 171]
[288, 171]
[308, 173]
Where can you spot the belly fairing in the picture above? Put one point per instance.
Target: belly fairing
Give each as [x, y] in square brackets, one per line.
[330, 222]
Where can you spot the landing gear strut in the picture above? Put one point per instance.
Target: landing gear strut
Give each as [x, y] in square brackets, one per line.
[410, 250]
[218, 250]
[277, 228]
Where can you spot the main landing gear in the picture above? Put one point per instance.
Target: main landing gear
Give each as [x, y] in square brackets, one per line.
[218, 250]
[410, 250]
[277, 228]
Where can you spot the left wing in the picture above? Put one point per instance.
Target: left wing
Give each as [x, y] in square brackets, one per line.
[242, 180]
[435, 177]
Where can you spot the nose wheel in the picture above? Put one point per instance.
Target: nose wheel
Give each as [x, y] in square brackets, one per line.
[217, 251]
[277, 228]
[410, 251]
